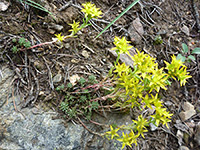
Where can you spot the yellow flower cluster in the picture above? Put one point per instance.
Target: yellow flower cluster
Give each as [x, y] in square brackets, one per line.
[91, 11]
[137, 87]
[75, 27]
[122, 46]
[177, 69]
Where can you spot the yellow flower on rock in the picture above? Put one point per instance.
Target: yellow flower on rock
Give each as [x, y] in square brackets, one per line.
[125, 140]
[141, 124]
[133, 138]
[91, 11]
[59, 37]
[113, 132]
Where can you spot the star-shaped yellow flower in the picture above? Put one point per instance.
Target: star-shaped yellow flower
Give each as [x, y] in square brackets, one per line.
[113, 132]
[75, 27]
[59, 37]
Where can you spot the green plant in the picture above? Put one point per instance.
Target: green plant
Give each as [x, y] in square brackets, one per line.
[185, 56]
[19, 44]
[14, 49]
[14, 40]
[69, 85]
[82, 81]
[90, 11]
[80, 102]
[59, 88]
[92, 79]
[125, 87]
[158, 40]
[138, 88]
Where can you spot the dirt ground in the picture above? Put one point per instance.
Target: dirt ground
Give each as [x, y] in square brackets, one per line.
[173, 21]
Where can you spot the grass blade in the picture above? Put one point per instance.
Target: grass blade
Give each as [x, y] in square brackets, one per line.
[129, 7]
[38, 6]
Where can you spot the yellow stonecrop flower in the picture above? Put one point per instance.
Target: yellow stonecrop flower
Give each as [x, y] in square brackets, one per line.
[156, 101]
[175, 64]
[121, 68]
[157, 80]
[183, 76]
[129, 82]
[177, 69]
[59, 37]
[113, 132]
[91, 11]
[147, 101]
[145, 63]
[122, 46]
[125, 139]
[162, 116]
[133, 138]
[141, 124]
[139, 86]
[75, 27]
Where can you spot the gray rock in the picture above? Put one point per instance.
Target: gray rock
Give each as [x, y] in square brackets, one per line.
[37, 130]
[5, 81]
[187, 114]
[56, 27]
[124, 57]
[179, 136]
[136, 31]
[187, 106]
[153, 127]
[4, 6]
[188, 111]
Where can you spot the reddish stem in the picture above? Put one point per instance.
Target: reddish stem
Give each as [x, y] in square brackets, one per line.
[41, 44]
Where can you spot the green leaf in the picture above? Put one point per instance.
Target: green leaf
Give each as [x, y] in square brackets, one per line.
[181, 57]
[191, 57]
[196, 50]
[185, 48]
[129, 7]
[14, 40]
[61, 87]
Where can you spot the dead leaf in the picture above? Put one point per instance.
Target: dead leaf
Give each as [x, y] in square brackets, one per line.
[185, 30]
[85, 54]
[73, 79]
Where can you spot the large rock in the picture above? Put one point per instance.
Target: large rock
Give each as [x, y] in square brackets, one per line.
[35, 129]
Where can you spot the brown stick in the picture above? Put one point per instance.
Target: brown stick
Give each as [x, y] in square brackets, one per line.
[196, 14]
[87, 128]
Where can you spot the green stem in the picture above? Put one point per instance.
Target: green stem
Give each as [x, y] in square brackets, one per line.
[117, 60]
